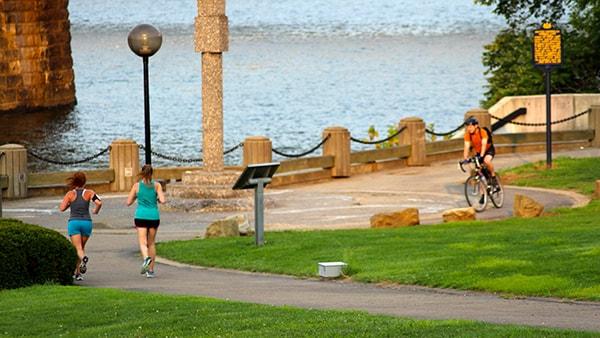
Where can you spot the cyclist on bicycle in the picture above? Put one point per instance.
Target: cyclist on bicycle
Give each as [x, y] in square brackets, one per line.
[477, 138]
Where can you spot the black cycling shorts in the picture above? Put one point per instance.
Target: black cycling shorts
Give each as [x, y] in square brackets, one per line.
[491, 151]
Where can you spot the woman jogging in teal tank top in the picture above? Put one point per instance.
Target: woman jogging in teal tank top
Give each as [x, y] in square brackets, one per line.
[147, 217]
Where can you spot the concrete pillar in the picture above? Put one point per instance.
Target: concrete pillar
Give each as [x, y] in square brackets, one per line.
[14, 165]
[594, 123]
[211, 38]
[338, 145]
[482, 115]
[125, 161]
[414, 135]
[257, 149]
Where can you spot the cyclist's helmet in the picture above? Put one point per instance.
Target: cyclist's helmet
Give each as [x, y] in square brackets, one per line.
[471, 121]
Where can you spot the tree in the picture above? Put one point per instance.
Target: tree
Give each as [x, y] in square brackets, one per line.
[508, 57]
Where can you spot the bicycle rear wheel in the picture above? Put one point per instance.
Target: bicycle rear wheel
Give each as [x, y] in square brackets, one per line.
[497, 193]
[475, 193]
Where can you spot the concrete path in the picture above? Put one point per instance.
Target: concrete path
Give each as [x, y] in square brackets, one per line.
[336, 204]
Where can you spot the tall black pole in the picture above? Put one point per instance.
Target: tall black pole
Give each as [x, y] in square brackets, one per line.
[548, 121]
[147, 113]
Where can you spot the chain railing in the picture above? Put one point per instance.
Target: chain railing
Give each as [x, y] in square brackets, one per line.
[541, 124]
[241, 144]
[431, 132]
[171, 158]
[312, 150]
[378, 141]
[61, 162]
[188, 160]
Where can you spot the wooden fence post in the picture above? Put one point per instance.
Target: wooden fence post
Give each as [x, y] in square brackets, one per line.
[257, 149]
[594, 123]
[338, 145]
[14, 165]
[125, 161]
[414, 135]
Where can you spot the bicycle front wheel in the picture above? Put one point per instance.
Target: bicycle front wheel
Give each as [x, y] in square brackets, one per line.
[475, 193]
[497, 193]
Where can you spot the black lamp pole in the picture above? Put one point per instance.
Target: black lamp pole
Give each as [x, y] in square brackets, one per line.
[147, 113]
[145, 40]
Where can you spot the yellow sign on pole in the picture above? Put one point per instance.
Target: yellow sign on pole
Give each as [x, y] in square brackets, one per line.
[547, 46]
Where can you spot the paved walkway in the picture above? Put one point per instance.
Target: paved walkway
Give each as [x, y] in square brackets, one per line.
[341, 203]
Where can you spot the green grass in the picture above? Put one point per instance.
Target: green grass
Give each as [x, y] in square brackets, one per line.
[578, 174]
[553, 256]
[77, 311]
[556, 256]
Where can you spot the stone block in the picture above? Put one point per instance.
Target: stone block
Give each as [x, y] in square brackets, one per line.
[212, 34]
[228, 227]
[459, 214]
[211, 7]
[526, 207]
[406, 217]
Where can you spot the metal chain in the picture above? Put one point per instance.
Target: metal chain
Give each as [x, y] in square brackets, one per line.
[186, 160]
[542, 124]
[241, 144]
[171, 158]
[379, 141]
[278, 152]
[87, 159]
[447, 133]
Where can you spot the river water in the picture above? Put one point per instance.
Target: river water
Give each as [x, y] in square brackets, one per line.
[294, 67]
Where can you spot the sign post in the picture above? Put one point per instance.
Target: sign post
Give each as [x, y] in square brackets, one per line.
[547, 55]
[257, 176]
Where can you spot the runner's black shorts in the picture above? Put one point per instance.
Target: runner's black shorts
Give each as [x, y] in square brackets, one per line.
[146, 223]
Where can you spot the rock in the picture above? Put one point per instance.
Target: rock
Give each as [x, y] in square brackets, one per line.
[406, 217]
[228, 227]
[526, 207]
[244, 226]
[459, 214]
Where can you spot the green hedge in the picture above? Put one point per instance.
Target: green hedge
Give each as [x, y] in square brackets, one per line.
[30, 254]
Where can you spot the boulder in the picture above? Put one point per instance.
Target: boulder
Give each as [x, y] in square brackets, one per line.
[459, 214]
[526, 207]
[406, 217]
[244, 226]
[228, 227]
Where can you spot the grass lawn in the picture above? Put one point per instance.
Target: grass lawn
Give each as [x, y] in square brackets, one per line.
[553, 256]
[79, 311]
[577, 174]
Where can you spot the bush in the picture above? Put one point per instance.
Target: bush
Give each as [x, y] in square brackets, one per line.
[30, 254]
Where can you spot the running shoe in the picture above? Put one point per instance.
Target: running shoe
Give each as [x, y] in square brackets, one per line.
[83, 265]
[78, 277]
[150, 274]
[146, 265]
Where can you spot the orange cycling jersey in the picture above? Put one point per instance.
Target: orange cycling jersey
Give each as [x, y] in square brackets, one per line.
[476, 138]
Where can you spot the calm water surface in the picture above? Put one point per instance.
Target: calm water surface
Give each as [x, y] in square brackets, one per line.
[294, 68]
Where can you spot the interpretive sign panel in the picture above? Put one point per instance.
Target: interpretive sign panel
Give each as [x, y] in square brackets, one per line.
[547, 46]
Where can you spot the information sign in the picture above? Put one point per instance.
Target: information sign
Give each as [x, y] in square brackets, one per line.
[547, 46]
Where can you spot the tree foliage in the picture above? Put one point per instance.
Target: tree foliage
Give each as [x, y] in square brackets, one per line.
[508, 58]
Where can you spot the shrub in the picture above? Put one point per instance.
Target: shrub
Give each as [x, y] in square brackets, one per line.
[30, 254]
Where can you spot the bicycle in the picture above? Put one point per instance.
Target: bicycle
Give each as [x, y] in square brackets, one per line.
[477, 186]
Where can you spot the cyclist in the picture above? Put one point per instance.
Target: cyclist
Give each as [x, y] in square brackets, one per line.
[477, 138]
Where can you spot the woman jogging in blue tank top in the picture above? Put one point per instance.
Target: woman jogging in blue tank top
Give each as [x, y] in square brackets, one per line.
[147, 217]
[80, 224]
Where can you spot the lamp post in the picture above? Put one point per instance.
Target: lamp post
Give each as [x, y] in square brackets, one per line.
[145, 40]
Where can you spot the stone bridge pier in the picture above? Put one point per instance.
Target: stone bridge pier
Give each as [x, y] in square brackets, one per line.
[36, 67]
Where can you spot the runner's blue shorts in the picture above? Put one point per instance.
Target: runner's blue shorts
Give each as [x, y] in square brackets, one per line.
[81, 227]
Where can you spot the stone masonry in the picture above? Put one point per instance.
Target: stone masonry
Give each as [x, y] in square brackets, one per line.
[36, 67]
